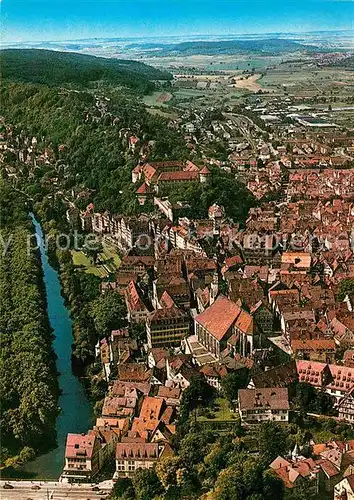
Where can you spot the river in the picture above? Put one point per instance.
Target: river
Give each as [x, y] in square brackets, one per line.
[76, 409]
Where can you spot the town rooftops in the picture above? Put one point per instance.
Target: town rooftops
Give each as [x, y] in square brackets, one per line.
[134, 372]
[219, 317]
[151, 408]
[279, 376]
[137, 451]
[310, 371]
[313, 345]
[274, 398]
[166, 313]
[298, 260]
[121, 388]
[169, 392]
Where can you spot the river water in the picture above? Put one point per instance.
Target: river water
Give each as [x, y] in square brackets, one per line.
[76, 409]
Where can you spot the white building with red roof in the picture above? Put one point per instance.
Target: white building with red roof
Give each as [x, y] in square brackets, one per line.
[82, 453]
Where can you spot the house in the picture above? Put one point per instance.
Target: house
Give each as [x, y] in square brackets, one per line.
[291, 470]
[157, 357]
[280, 376]
[296, 261]
[131, 456]
[172, 395]
[262, 405]
[214, 372]
[119, 407]
[166, 327]
[134, 372]
[344, 490]
[346, 406]
[81, 457]
[314, 349]
[180, 371]
[336, 380]
[137, 310]
[263, 316]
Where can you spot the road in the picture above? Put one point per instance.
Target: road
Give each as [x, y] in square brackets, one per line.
[25, 490]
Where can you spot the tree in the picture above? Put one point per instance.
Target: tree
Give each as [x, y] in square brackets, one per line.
[122, 488]
[146, 484]
[308, 399]
[305, 394]
[345, 287]
[273, 486]
[109, 313]
[199, 393]
[27, 454]
[194, 446]
[170, 471]
[272, 441]
[234, 381]
[229, 485]
[304, 489]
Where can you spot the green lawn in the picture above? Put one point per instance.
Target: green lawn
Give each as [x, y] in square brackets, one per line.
[220, 413]
[108, 262]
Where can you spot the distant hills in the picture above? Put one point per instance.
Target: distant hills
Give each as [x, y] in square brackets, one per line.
[58, 68]
[347, 63]
[266, 46]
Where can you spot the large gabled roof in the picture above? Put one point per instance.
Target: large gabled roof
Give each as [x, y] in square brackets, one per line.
[219, 317]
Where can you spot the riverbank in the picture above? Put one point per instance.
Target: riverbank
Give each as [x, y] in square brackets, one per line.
[29, 382]
[75, 408]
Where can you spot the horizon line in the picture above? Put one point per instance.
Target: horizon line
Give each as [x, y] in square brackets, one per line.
[176, 36]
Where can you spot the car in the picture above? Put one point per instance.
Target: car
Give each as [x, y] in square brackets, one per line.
[8, 486]
[95, 488]
[35, 487]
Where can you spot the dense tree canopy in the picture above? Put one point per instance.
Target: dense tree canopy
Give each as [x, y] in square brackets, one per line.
[28, 384]
[63, 68]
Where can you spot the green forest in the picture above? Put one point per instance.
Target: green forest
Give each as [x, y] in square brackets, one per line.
[28, 383]
[64, 68]
[90, 149]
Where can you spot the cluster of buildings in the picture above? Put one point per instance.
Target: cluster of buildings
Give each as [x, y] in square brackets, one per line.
[214, 297]
[329, 468]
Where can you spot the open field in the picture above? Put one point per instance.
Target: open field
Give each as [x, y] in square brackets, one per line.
[157, 98]
[309, 81]
[221, 413]
[220, 62]
[247, 82]
[108, 261]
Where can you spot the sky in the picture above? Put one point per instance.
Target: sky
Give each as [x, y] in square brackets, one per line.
[50, 20]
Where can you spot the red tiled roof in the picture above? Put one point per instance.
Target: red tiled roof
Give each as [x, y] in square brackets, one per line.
[134, 372]
[313, 345]
[178, 176]
[272, 397]
[310, 372]
[138, 451]
[151, 408]
[169, 392]
[79, 445]
[144, 189]
[219, 317]
[166, 313]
